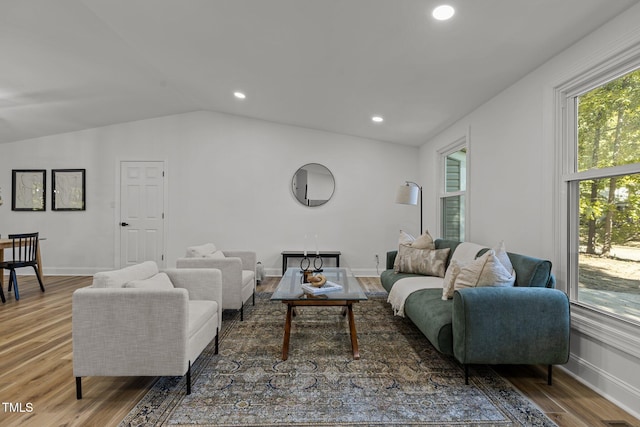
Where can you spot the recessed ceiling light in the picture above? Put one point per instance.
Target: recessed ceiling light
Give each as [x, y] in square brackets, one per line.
[377, 119]
[239, 95]
[443, 12]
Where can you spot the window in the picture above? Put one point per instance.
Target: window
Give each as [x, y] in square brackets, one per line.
[603, 194]
[453, 197]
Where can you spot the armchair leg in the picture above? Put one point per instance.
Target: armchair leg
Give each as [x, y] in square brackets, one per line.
[242, 312]
[78, 388]
[189, 378]
[216, 350]
[466, 374]
[254, 297]
[549, 374]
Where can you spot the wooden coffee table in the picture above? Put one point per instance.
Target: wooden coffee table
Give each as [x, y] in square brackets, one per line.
[290, 292]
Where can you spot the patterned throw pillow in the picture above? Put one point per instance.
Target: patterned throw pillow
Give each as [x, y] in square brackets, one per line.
[425, 241]
[429, 262]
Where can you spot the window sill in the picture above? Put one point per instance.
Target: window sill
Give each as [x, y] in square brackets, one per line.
[620, 334]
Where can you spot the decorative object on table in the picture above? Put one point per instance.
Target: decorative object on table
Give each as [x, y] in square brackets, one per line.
[317, 268]
[409, 194]
[306, 274]
[305, 263]
[325, 288]
[313, 185]
[29, 190]
[317, 280]
[68, 190]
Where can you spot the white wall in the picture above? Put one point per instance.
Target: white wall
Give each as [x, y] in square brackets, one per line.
[513, 185]
[229, 182]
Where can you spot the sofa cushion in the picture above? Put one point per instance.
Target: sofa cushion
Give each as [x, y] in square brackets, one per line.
[433, 316]
[421, 261]
[158, 281]
[117, 278]
[247, 276]
[201, 250]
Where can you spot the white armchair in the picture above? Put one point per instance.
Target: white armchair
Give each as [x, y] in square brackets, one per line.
[238, 272]
[139, 322]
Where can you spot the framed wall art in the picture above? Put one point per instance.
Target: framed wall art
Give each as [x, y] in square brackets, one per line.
[68, 190]
[29, 190]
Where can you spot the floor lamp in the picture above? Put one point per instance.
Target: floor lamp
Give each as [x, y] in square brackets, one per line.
[408, 194]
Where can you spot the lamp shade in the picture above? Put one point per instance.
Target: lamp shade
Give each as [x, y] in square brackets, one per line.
[407, 194]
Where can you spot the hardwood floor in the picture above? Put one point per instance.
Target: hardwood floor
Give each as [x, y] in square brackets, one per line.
[37, 386]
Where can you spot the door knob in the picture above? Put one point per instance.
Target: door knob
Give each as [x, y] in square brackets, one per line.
[124, 224]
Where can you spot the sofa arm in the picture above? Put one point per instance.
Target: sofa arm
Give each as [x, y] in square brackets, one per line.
[230, 267]
[123, 331]
[511, 326]
[249, 259]
[391, 259]
[201, 283]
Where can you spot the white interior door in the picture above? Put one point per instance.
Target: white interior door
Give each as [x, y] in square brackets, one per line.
[141, 212]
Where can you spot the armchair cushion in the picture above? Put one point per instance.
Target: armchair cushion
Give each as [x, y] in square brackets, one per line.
[201, 250]
[159, 281]
[118, 278]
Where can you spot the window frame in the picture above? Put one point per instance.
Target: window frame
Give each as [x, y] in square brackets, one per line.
[443, 153]
[617, 331]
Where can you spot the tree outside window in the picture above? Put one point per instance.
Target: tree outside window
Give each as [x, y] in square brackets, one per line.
[607, 178]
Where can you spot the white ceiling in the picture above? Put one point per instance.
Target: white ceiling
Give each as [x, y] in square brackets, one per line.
[67, 65]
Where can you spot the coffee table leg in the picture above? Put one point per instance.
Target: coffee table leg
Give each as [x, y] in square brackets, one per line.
[287, 333]
[354, 335]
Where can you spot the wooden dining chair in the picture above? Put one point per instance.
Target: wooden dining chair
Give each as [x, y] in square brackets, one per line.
[25, 251]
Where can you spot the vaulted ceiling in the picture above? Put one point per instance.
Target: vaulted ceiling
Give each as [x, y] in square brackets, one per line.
[67, 65]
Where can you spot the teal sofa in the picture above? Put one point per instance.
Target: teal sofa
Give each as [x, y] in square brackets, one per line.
[525, 324]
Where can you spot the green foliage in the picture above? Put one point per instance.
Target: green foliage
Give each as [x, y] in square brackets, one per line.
[609, 135]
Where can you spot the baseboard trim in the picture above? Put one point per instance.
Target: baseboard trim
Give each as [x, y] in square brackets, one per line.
[612, 388]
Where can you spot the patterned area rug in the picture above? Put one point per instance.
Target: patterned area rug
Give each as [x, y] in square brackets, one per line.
[399, 380]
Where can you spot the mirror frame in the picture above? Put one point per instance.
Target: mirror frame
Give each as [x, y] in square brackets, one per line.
[302, 198]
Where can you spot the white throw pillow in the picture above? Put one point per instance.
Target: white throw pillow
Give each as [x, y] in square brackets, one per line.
[159, 281]
[450, 278]
[425, 241]
[501, 254]
[215, 255]
[201, 250]
[486, 270]
[405, 238]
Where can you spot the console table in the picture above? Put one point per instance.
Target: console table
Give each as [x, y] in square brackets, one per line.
[300, 254]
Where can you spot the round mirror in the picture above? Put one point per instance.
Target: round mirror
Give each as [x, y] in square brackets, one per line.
[313, 184]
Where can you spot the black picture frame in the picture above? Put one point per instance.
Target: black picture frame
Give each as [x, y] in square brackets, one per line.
[29, 190]
[68, 190]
